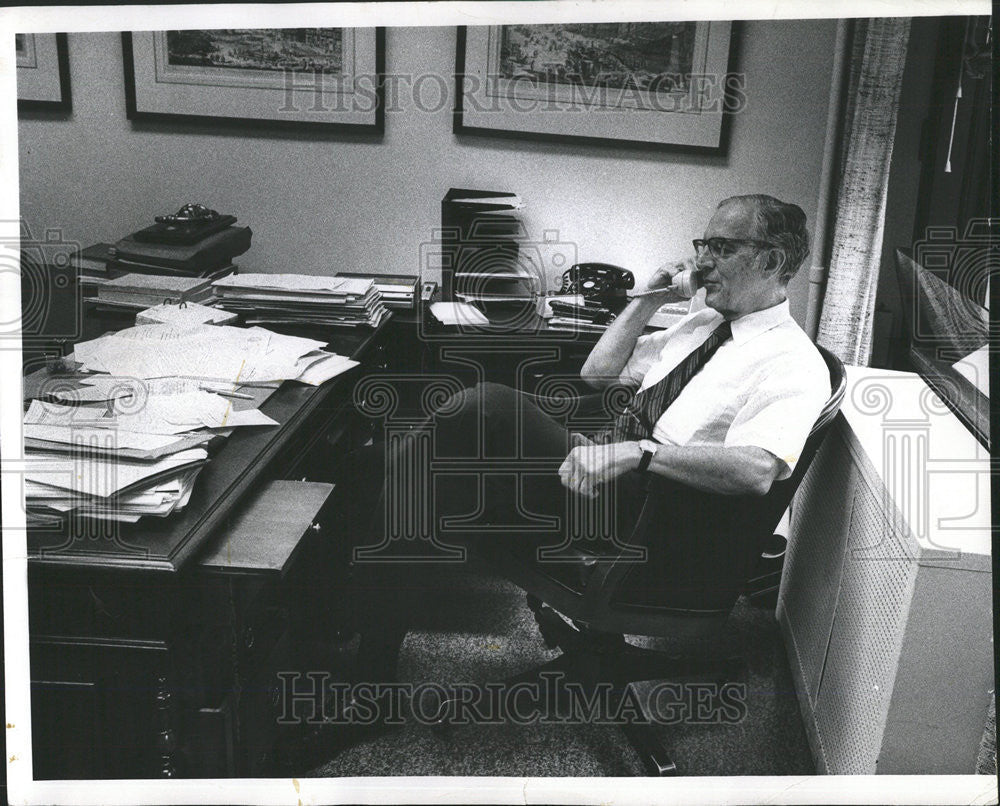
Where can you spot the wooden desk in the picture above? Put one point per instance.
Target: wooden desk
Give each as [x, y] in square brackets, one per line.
[145, 661]
[148, 658]
[531, 357]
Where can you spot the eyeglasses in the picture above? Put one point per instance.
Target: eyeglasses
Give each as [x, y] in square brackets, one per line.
[726, 247]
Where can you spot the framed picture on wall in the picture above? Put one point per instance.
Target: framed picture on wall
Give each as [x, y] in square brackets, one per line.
[319, 78]
[42, 72]
[657, 84]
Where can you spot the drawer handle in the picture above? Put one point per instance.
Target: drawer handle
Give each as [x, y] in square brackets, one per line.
[316, 527]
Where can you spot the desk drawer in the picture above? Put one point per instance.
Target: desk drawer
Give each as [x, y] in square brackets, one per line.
[259, 709]
[315, 457]
[303, 456]
[265, 622]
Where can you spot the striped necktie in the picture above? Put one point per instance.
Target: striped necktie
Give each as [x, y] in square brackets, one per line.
[648, 405]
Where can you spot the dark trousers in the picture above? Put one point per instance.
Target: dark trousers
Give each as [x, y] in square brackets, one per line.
[482, 468]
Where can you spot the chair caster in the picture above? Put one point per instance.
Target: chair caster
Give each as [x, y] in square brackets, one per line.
[650, 749]
[550, 626]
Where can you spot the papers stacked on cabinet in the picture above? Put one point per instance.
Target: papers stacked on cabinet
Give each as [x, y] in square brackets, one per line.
[302, 299]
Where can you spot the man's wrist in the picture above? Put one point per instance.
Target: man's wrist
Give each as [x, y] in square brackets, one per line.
[647, 448]
[651, 303]
[627, 456]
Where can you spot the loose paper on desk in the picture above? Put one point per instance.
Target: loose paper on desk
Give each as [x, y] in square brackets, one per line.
[156, 414]
[84, 388]
[458, 313]
[220, 352]
[328, 366]
[186, 313]
[109, 441]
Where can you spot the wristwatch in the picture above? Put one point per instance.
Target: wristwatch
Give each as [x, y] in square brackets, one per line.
[648, 448]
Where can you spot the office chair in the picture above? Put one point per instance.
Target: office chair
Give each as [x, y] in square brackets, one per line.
[686, 590]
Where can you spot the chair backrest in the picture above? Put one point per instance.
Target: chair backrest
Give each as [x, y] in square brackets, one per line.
[714, 543]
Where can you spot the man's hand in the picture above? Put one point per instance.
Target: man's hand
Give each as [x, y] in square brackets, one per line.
[611, 353]
[663, 277]
[590, 465]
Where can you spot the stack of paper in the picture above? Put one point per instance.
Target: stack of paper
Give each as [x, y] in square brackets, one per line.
[112, 488]
[109, 442]
[129, 439]
[142, 290]
[130, 457]
[397, 290]
[302, 299]
[152, 414]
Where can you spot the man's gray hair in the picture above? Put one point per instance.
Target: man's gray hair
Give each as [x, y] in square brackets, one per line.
[779, 223]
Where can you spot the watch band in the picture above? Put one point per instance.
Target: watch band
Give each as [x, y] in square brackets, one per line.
[647, 456]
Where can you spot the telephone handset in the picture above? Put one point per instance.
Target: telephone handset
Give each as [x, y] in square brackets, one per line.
[600, 282]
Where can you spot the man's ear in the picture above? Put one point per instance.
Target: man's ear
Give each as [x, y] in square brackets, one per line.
[775, 262]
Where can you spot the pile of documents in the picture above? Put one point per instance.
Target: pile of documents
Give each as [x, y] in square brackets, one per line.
[143, 290]
[133, 490]
[574, 313]
[235, 355]
[302, 299]
[397, 290]
[124, 458]
[127, 435]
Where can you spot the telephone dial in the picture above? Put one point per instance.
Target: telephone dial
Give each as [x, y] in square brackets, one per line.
[597, 282]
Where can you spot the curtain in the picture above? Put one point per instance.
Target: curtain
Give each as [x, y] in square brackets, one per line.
[876, 72]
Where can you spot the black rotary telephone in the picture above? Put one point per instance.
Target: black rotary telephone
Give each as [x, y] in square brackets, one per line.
[597, 282]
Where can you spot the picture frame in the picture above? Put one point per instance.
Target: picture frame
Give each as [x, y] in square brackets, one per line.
[649, 85]
[42, 73]
[318, 79]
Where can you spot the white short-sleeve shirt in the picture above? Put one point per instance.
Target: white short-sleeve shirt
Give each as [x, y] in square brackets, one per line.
[764, 388]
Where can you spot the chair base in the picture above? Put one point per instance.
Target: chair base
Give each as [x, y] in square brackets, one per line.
[601, 667]
[590, 657]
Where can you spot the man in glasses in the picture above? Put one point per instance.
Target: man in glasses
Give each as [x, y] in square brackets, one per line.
[725, 398]
[721, 402]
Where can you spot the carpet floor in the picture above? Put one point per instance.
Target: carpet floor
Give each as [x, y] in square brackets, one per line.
[477, 628]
